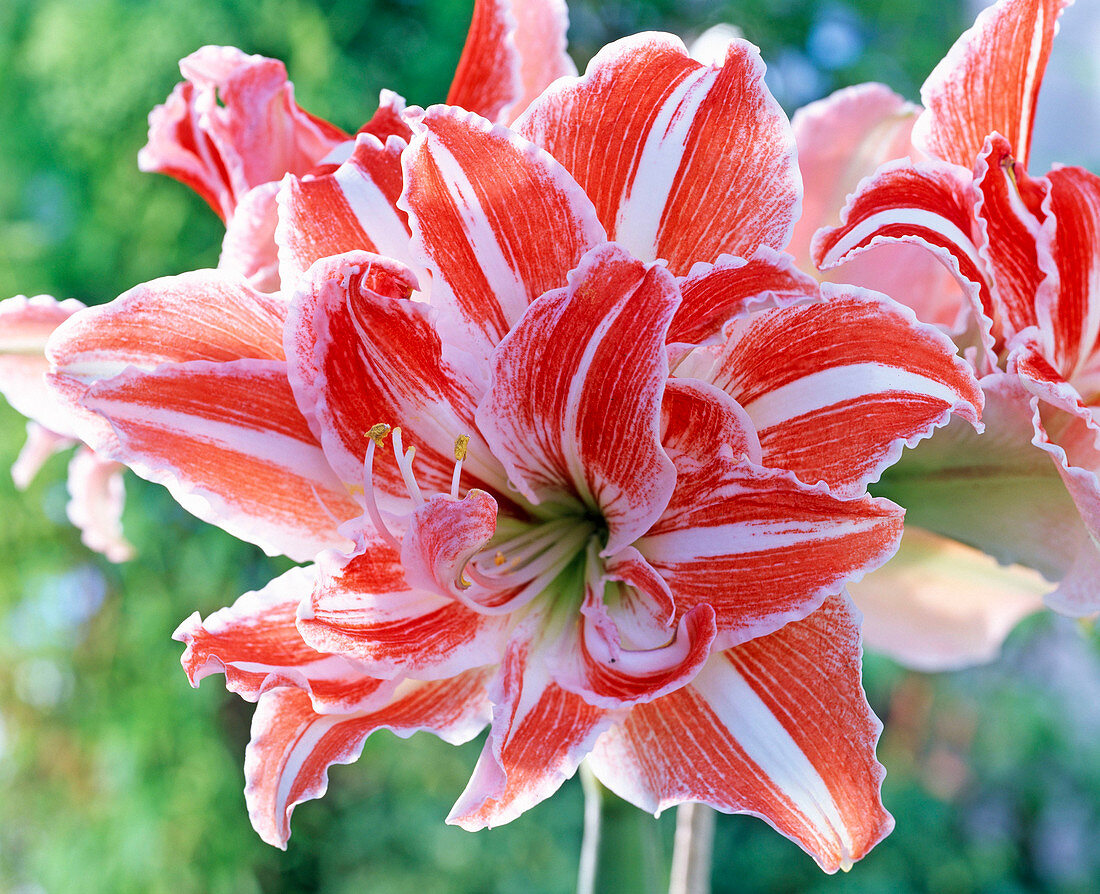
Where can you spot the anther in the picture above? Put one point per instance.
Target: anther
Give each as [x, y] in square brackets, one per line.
[378, 432]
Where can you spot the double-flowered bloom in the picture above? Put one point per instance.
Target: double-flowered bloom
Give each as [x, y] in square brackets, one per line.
[1026, 250]
[579, 452]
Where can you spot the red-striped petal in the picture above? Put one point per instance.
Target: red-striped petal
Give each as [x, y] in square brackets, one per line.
[499, 221]
[989, 82]
[231, 126]
[229, 442]
[836, 388]
[683, 161]
[760, 547]
[571, 429]
[778, 727]
[292, 747]
[513, 50]
[255, 643]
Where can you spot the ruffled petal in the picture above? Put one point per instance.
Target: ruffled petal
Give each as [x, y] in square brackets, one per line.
[232, 126]
[96, 498]
[513, 50]
[939, 605]
[292, 746]
[683, 161]
[361, 354]
[26, 325]
[715, 293]
[498, 220]
[255, 643]
[570, 430]
[248, 248]
[229, 443]
[837, 387]
[989, 82]
[40, 445]
[761, 548]
[778, 727]
[354, 207]
[540, 733]
[363, 607]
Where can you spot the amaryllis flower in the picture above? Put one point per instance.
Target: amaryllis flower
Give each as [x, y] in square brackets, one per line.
[605, 503]
[96, 491]
[232, 130]
[1024, 249]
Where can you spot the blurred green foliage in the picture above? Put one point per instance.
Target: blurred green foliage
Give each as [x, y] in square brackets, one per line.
[116, 777]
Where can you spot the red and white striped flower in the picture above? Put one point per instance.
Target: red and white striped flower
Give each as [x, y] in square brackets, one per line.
[1025, 251]
[600, 451]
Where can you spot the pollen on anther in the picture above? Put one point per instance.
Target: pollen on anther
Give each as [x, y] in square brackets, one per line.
[499, 559]
[461, 443]
[378, 432]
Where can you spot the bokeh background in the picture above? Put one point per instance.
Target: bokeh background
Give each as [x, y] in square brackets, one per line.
[116, 777]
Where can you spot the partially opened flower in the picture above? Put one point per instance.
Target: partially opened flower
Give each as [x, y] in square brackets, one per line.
[604, 503]
[1024, 250]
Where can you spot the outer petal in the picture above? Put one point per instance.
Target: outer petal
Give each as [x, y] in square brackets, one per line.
[232, 126]
[683, 161]
[364, 607]
[248, 248]
[569, 430]
[351, 208]
[229, 443]
[292, 747]
[96, 498]
[26, 324]
[514, 49]
[989, 81]
[255, 644]
[715, 293]
[778, 727]
[361, 354]
[836, 388]
[498, 220]
[939, 605]
[540, 734]
[40, 445]
[762, 548]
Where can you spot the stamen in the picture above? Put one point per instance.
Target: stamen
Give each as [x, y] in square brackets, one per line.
[404, 463]
[461, 443]
[378, 432]
[368, 494]
[498, 559]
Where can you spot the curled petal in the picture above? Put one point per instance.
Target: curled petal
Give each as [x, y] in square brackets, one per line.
[232, 126]
[248, 248]
[40, 445]
[292, 746]
[568, 430]
[989, 82]
[540, 733]
[837, 387]
[778, 727]
[96, 498]
[702, 423]
[229, 443]
[683, 161]
[255, 643]
[498, 220]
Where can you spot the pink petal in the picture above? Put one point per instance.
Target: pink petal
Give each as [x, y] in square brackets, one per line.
[715, 293]
[232, 126]
[778, 727]
[683, 161]
[292, 747]
[760, 547]
[513, 50]
[96, 498]
[26, 324]
[363, 607]
[701, 423]
[939, 605]
[255, 644]
[361, 354]
[837, 387]
[230, 444]
[248, 248]
[351, 208]
[40, 445]
[539, 735]
[499, 221]
[570, 430]
[989, 82]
